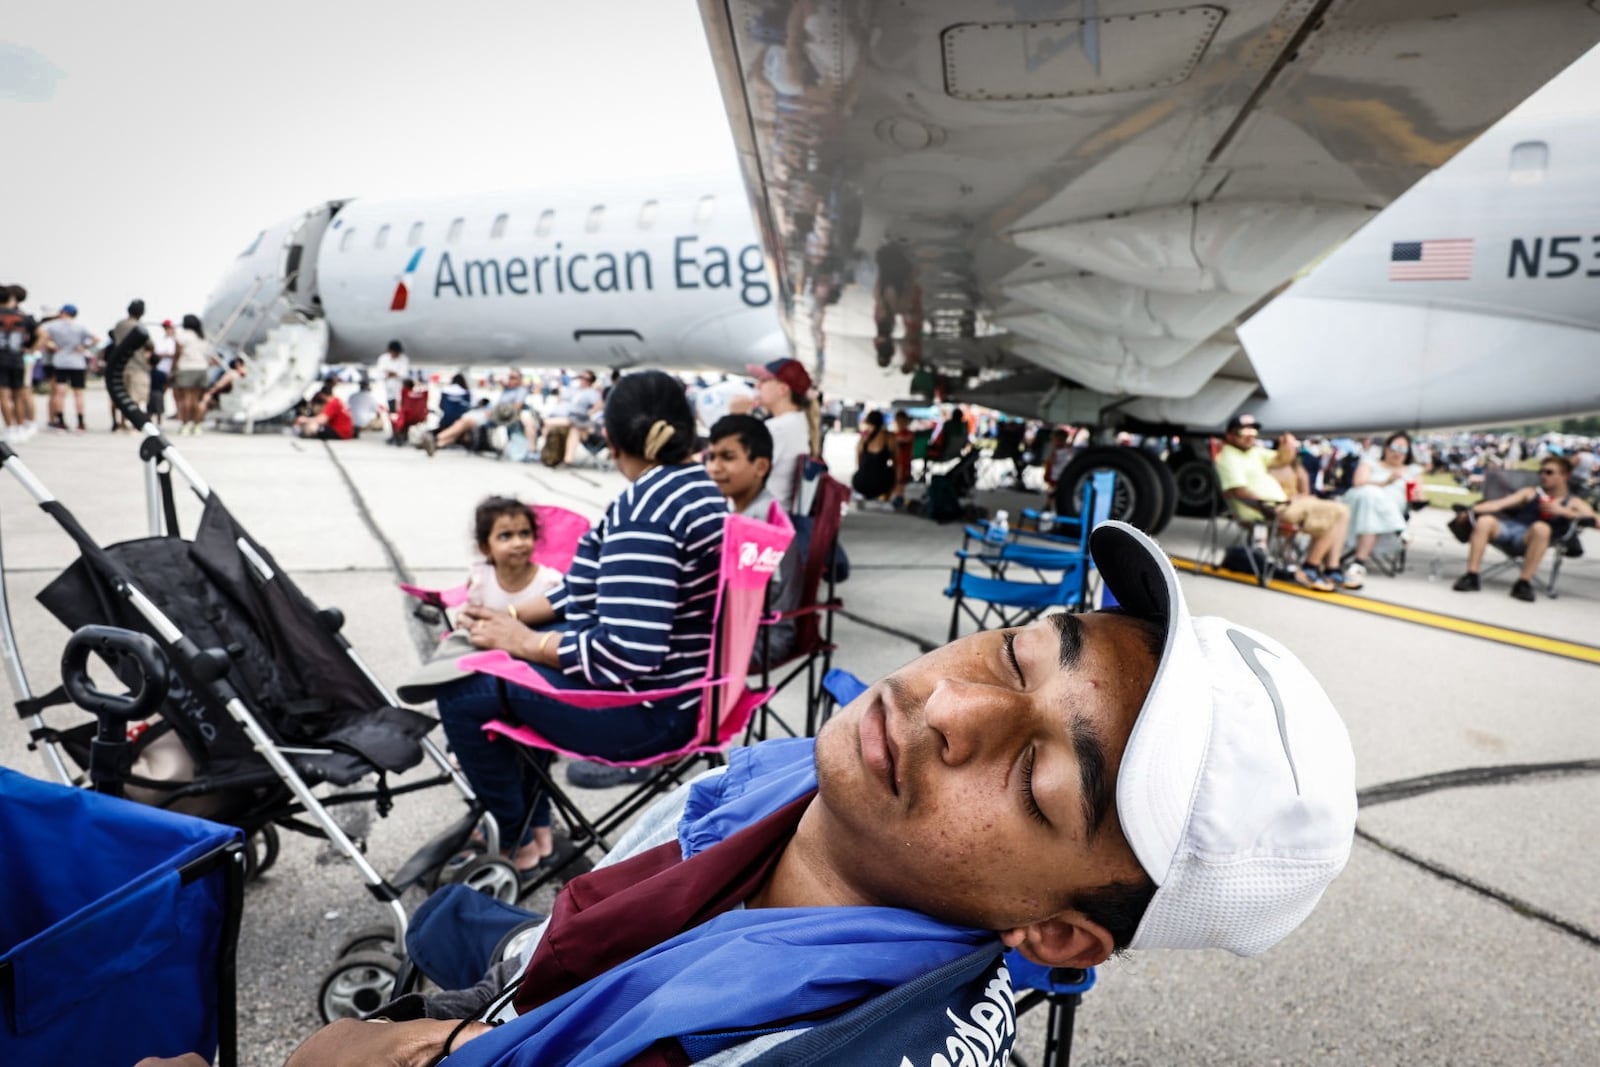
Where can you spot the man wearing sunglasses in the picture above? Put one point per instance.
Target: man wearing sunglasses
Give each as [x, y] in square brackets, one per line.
[1523, 524]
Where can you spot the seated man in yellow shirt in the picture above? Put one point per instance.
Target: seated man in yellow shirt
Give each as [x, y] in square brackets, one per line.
[1243, 470]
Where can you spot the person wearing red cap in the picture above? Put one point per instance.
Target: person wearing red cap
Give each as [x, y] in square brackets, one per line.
[784, 393]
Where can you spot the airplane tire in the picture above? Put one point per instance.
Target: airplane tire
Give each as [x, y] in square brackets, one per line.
[1169, 491]
[1196, 481]
[1141, 497]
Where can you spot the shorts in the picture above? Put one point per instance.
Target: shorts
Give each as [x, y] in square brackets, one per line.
[13, 378]
[74, 378]
[1312, 515]
[190, 379]
[1511, 537]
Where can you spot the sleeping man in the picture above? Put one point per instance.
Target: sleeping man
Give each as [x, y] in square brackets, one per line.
[1125, 779]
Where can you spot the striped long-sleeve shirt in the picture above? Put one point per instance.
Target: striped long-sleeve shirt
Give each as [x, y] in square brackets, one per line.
[639, 597]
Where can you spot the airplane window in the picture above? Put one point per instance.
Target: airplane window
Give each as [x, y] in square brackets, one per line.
[498, 229]
[382, 237]
[596, 214]
[453, 234]
[1528, 162]
[347, 240]
[250, 250]
[705, 209]
[547, 219]
[414, 238]
[647, 214]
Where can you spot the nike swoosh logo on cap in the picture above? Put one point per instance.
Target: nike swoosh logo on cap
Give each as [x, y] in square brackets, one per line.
[1248, 648]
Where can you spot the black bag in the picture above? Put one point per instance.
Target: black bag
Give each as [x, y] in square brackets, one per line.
[943, 500]
[1239, 559]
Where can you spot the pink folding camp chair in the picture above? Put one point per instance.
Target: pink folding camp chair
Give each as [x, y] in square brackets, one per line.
[751, 552]
[560, 530]
[811, 657]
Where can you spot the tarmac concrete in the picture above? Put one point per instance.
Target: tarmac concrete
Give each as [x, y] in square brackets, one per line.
[1403, 963]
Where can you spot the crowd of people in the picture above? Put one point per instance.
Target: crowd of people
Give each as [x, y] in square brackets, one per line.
[1344, 495]
[55, 354]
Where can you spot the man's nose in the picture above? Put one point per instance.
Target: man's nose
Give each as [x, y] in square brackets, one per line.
[972, 718]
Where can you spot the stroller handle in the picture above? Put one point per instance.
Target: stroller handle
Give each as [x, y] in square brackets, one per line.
[111, 642]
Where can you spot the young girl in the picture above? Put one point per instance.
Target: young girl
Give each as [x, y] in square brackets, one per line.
[506, 531]
[506, 575]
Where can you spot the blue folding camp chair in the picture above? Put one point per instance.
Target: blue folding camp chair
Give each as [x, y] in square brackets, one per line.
[118, 921]
[118, 924]
[1008, 601]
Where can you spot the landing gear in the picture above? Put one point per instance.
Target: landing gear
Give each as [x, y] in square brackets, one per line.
[1145, 494]
[1196, 480]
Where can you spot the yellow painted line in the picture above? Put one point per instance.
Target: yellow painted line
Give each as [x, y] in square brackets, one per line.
[1498, 634]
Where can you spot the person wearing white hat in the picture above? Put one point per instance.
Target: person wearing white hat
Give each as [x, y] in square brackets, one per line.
[1128, 779]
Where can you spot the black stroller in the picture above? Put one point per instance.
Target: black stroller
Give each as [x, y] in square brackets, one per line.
[266, 700]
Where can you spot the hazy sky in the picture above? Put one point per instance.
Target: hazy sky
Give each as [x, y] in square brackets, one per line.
[161, 136]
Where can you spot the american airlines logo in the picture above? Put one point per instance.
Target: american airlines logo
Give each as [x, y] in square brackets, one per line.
[402, 285]
[764, 560]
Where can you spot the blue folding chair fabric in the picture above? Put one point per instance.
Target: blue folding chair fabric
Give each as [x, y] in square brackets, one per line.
[454, 933]
[118, 924]
[1010, 602]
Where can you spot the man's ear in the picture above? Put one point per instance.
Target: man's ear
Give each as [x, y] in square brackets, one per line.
[1067, 939]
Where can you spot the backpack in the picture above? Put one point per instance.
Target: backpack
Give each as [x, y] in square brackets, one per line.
[943, 503]
[555, 446]
[1243, 560]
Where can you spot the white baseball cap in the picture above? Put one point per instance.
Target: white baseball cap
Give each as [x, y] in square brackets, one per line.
[1237, 786]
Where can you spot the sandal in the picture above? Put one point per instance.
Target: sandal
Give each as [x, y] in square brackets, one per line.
[1316, 583]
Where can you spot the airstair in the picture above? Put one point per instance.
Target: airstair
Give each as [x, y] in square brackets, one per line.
[269, 314]
[280, 371]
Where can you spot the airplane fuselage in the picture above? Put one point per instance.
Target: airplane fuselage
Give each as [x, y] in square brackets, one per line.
[616, 277]
[1474, 299]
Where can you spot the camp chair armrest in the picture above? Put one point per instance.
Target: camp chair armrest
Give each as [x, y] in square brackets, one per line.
[1049, 538]
[809, 609]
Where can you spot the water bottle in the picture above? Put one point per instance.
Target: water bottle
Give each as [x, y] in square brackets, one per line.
[477, 582]
[1000, 527]
[1434, 565]
[1047, 521]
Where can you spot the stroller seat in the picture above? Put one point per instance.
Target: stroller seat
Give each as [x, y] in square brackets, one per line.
[338, 729]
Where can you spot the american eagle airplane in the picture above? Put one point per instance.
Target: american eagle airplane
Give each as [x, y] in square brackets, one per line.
[661, 274]
[1066, 211]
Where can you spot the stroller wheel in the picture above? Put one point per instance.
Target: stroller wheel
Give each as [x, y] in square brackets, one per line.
[260, 852]
[379, 938]
[490, 875]
[357, 985]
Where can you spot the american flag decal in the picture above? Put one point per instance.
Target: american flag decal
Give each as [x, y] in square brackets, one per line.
[1447, 260]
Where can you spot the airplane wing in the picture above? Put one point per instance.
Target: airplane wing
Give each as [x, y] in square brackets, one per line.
[1065, 207]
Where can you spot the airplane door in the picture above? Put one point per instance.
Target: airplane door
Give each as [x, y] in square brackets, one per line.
[299, 268]
[615, 349]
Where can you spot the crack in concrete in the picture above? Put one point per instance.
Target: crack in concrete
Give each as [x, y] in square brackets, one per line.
[421, 636]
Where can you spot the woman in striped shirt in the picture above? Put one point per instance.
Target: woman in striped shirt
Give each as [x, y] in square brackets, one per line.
[634, 612]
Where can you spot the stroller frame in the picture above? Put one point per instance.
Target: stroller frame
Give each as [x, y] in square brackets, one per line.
[178, 646]
[210, 668]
